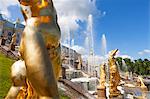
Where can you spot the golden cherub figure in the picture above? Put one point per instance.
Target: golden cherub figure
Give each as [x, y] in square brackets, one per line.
[40, 51]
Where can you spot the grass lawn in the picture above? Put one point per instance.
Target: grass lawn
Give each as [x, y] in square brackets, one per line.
[5, 81]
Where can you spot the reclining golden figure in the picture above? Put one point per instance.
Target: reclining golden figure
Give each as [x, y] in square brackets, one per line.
[40, 51]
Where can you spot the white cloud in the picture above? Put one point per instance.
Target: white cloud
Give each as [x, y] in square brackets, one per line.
[71, 11]
[146, 51]
[95, 60]
[123, 55]
[4, 4]
[92, 59]
[81, 50]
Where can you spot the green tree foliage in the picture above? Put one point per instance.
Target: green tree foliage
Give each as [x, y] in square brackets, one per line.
[139, 66]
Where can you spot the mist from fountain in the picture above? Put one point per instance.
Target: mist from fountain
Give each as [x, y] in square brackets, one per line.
[124, 65]
[118, 66]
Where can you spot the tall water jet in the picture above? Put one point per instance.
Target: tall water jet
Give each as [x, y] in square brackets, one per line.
[104, 46]
[104, 71]
[72, 45]
[68, 42]
[89, 44]
[90, 34]
[104, 53]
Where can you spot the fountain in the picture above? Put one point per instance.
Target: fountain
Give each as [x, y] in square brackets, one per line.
[103, 88]
[126, 69]
[89, 43]
[90, 31]
[109, 78]
[104, 46]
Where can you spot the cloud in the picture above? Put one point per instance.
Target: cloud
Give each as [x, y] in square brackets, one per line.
[146, 51]
[92, 60]
[119, 54]
[70, 12]
[95, 60]
[81, 50]
[124, 56]
[4, 4]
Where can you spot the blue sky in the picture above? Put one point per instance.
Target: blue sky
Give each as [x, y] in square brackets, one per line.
[126, 25]
[124, 22]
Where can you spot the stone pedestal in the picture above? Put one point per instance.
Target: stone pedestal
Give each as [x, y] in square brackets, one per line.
[101, 92]
[114, 94]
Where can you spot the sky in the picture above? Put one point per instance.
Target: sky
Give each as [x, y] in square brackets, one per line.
[125, 24]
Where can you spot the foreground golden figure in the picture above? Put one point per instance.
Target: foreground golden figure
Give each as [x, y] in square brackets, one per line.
[40, 51]
[114, 74]
[114, 77]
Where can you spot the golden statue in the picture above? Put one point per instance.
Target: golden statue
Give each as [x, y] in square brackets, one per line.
[13, 42]
[114, 74]
[114, 77]
[40, 51]
[102, 77]
[101, 89]
[141, 84]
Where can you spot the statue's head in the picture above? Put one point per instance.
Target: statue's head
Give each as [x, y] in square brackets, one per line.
[113, 53]
[38, 3]
[24, 2]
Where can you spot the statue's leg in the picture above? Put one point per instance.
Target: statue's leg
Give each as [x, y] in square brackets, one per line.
[18, 76]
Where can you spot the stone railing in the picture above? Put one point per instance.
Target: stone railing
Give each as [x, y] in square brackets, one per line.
[11, 54]
[79, 91]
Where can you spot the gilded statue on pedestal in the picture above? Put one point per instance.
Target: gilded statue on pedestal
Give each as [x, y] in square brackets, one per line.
[101, 89]
[114, 77]
[114, 74]
[35, 75]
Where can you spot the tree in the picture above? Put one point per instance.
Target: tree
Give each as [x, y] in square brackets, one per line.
[146, 64]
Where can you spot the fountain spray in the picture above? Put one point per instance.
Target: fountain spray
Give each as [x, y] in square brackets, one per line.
[104, 53]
